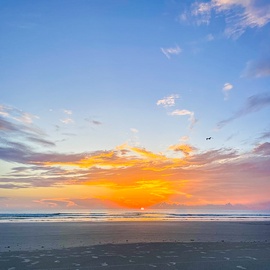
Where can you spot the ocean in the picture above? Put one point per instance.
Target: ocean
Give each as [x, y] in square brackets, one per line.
[129, 215]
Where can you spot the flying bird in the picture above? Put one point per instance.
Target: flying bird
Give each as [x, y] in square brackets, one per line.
[209, 138]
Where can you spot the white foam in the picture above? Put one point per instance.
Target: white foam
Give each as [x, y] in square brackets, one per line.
[241, 267]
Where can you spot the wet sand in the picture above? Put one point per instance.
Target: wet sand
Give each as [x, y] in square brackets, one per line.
[135, 245]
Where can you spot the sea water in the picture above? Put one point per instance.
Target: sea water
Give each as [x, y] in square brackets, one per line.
[134, 215]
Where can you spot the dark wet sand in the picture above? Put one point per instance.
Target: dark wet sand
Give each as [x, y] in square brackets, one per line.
[135, 245]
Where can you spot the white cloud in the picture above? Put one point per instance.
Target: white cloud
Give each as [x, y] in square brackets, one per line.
[67, 121]
[226, 89]
[181, 112]
[202, 11]
[69, 112]
[239, 14]
[168, 101]
[171, 51]
[192, 118]
[134, 130]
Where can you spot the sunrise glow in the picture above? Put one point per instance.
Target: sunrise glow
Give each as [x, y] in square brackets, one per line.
[134, 104]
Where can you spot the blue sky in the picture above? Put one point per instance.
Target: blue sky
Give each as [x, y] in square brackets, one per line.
[83, 77]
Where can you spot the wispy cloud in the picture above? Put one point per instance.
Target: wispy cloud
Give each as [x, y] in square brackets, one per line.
[265, 135]
[57, 202]
[76, 203]
[168, 52]
[258, 69]
[239, 14]
[16, 114]
[253, 104]
[192, 118]
[227, 87]
[168, 101]
[40, 141]
[95, 122]
[92, 121]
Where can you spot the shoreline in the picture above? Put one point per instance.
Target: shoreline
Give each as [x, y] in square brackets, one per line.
[57, 235]
[137, 245]
[142, 256]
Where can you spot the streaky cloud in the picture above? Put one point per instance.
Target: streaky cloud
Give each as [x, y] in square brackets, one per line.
[16, 114]
[253, 104]
[263, 149]
[258, 69]
[95, 122]
[213, 156]
[265, 135]
[41, 141]
[22, 132]
[239, 15]
[12, 186]
[92, 121]
[77, 203]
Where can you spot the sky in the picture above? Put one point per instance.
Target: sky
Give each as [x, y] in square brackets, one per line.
[134, 104]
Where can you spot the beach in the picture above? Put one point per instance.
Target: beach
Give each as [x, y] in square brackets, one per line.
[135, 245]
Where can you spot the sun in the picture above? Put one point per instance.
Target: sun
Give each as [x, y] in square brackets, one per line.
[142, 208]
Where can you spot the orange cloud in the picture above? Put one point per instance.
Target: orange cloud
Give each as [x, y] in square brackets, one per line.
[184, 148]
[123, 157]
[135, 177]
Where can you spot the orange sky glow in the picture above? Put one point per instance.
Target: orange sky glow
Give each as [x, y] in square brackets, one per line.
[134, 177]
[134, 104]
